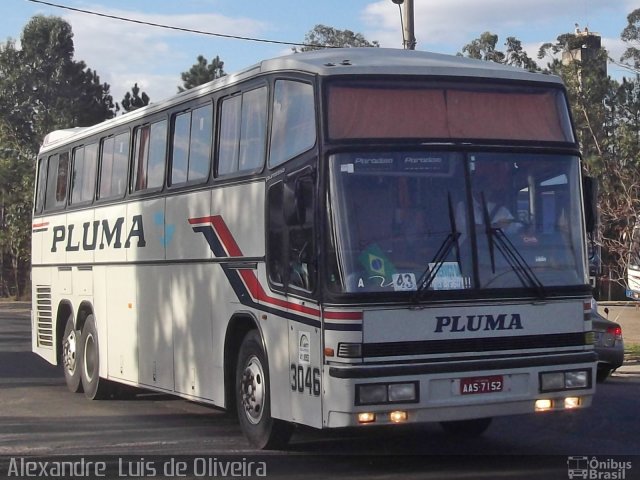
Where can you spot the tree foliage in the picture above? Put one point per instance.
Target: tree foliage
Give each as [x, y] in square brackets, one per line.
[485, 47]
[133, 100]
[202, 72]
[322, 36]
[42, 88]
[631, 37]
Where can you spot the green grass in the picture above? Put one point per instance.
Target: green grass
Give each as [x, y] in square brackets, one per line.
[632, 351]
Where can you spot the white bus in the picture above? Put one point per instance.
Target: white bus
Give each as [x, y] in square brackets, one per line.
[318, 240]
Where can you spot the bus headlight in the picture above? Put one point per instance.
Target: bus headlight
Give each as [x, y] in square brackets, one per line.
[552, 381]
[371, 394]
[382, 393]
[402, 392]
[577, 379]
[556, 381]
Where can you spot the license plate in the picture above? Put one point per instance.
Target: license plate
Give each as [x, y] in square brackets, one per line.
[473, 385]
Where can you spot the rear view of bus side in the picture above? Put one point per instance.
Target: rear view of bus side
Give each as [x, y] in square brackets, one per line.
[337, 238]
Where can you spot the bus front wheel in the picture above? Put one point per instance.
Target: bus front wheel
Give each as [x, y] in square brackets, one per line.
[71, 356]
[253, 399]
[95, 388]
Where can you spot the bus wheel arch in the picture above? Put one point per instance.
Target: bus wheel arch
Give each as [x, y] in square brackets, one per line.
[237, 329]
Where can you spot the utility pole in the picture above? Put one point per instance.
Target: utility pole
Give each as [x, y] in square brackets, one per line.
[408, 35]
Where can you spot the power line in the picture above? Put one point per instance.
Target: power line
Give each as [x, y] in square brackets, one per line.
[180, 29]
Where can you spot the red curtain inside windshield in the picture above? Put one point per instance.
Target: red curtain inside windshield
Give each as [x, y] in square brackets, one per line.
[368, 112]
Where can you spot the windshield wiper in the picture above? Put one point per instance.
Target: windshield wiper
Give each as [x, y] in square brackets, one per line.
[451, 240]
[496, 237]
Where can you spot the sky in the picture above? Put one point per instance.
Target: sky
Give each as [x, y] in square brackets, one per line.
[125, 53]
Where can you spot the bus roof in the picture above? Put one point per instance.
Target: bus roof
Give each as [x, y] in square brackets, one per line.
[361, 61]
[326, 62]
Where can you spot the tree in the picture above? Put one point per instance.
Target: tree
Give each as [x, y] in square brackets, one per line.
[42, 88]
[631, 37]
[133, 100]
[322, 36]
[16, 185]
[202, 72]
[485, 48]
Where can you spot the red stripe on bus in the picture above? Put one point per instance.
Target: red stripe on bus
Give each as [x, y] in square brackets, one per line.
[343, 315]
[258, 293]
[38, 225]
[225, 236]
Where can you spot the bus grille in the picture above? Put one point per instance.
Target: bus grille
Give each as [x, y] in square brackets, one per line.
[431, 347]
[44, 317]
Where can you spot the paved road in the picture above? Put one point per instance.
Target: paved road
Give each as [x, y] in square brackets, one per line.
[38, 416]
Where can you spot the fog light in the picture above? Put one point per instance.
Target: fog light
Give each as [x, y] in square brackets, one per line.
[552, 381]
[543, 405]
[576, 379]
[366, 417]
[571, 402]
[402, 392]
[398, 416]
[370, 394]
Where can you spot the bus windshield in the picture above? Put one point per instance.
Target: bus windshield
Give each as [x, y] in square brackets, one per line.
[427, 221]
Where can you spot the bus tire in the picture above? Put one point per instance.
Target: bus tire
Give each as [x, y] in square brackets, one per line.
[469, 428]
[253, 399]
[95, 388]
[71, 356]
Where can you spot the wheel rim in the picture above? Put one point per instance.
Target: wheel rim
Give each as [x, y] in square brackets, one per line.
[90, 356]
[70, 348]
[252, 390]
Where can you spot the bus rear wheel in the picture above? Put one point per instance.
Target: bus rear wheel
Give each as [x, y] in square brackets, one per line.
[95, 388]
[253, 399]
[71, 356]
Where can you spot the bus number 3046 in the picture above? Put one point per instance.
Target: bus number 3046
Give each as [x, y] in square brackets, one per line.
[305, 378]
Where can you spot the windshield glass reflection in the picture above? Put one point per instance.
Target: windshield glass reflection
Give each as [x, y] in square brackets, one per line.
[430, 221]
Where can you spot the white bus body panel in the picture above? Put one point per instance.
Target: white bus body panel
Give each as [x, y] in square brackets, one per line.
[439, 375]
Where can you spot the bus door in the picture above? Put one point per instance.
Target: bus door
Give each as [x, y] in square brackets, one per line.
[292, 266]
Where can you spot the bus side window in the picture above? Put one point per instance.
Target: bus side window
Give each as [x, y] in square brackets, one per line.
[293, 128]
[83, 179]
[191, 145]
[301, 244]
[253, 130]
[42, 184]
[290, 246]
[148, 157]
[242, 137]
[276, 235]
[113, 166]
[57, 175]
